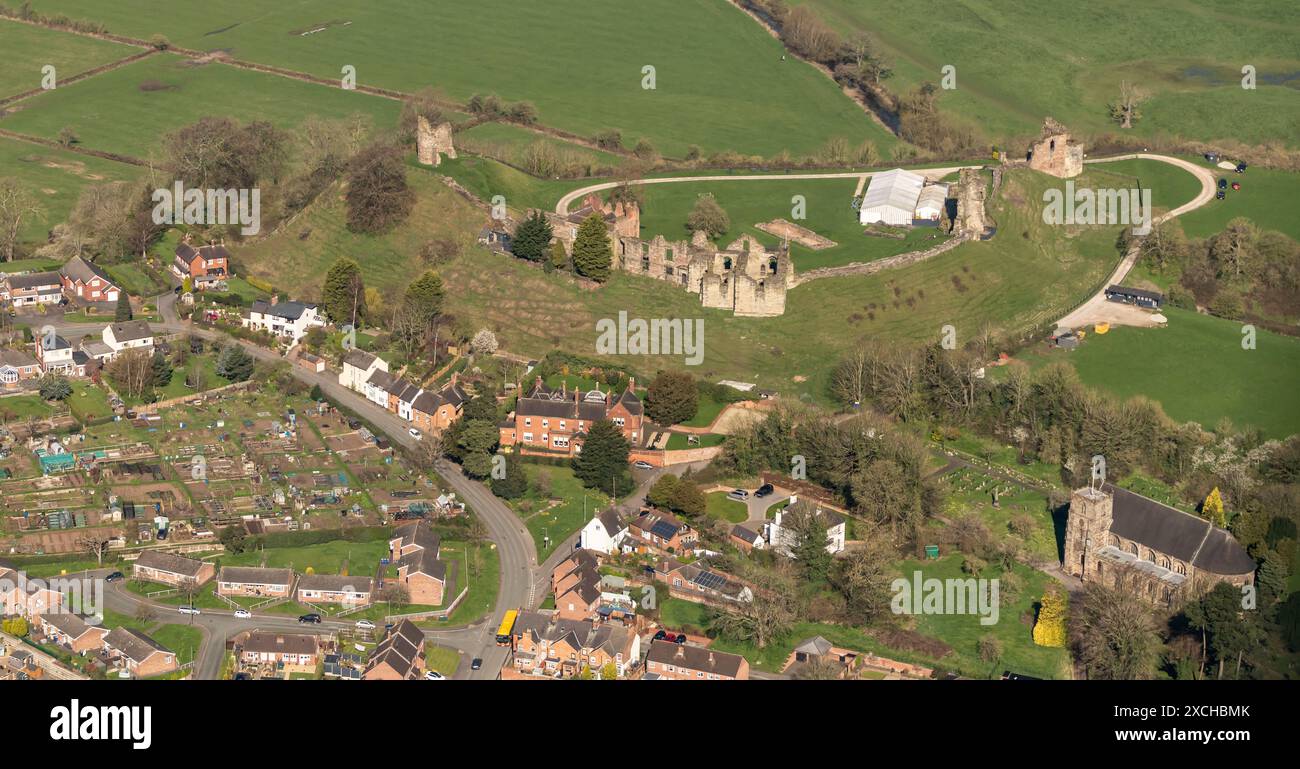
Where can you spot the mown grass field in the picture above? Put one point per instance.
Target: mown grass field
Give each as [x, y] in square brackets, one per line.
[1017, 61]
[128, 110]
[1197, 370]
[28, 49]
[1267, 197]
[721, 82]
[509, 142]
[55, 177]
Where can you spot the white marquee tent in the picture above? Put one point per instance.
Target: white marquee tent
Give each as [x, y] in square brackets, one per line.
[891, 198]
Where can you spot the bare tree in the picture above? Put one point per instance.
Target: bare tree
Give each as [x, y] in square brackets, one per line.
[17, 207]
[1125, 109]
[96, 544]
[131, 370]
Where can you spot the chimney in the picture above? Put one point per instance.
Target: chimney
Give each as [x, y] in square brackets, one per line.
[631, 385]
[538, 381]
[455, 377]
[275, 299]
[710, 659]
[681, 651]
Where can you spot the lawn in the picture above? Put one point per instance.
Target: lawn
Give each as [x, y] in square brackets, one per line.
[359, 558]
[719, 505]
[441, 659]
[28, 49]
[721, 80]
[508, 142]
[1266, 197]
[1197, 370]
[551, 525]
[134, 280]
[128, 110]
[709, 409]
[482, 580]
[56, 177]
[1068, 63]
[177, 386]
[88, 401]
[185, 640]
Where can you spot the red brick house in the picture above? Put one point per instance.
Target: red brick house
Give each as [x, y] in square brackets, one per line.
[136, 652]
[414, 551]
[85, 281]
[28, 598]
[72, 632]
[434, 412]
[654, 531]
[172, 569]
[255, 581]
[548, 645]
[555, 421]
[18, 366]
[399, 656]
[683, 662]
[204, 265]
[334, 588]
[254, 647]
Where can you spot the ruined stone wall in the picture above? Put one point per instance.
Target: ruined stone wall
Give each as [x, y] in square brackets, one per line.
[971, 218]
[1055, 152]
[431, 142]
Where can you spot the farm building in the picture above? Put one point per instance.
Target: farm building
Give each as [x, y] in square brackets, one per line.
[1138, 296]
[891, 198]
[930, 205]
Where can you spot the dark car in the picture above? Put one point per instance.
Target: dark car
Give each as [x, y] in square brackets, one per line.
[116, 576]
[1220, 194]
[476, 664]
[1241, 168]
[312, 618]
[661, 635]
[764, 491]
[680, 639]
[1223, 183]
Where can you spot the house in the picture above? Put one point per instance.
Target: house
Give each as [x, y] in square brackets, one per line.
[72, 632]
[699, 582]
[414, 550]
[358, 365]
[57, 355]
[402, 397]
[891, 198]
[399, 656]
[254, 581]
[1141, 297]
[575, 583]
[553, 422]
[684, 662]
[127, 335]
[26, 598]
[84, 280]
[34, 288]
[17, 366]
[334, 588]
[782, 537]
[547, 645]
[748, 536]
[287, 320]
[137, 653]
[377, 387]
[171, 569]
[205, 266]
[603, 532]
[260, 647]
[654, 531]
[435, 412]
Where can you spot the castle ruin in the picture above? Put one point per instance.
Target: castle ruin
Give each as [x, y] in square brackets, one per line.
[1055, 152]
[431, 143]
[971, 221]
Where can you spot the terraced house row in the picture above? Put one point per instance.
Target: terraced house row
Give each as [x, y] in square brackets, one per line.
[429, 411]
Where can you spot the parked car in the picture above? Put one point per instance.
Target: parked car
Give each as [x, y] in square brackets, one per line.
[433, 675]
[1220, 195]
[476, 664]
[1236, 185]
[312, 618]
[1223, 183]
[189, 610]
[1241, 168]
[116, 576]
[416, 434]
[680, 639]
[243, 614]
[641, 464]
[739, 494]
[764, 491]
[365, 624]
[661, 635]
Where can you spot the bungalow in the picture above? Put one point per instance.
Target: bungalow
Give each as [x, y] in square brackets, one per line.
[548, 645]
[72, 632]
[254, 581]
[399, 656]
[288, 320]
[17, 366]
[358, 365]
[414, 550]
[259, 647]
[27, 598]
[748, 536]
[603, 532]
[334, 588]
[84, 280]
[205, 266]
[137, 653]
[683, 662]
[34, 288]
[171, 569]
[656, 532]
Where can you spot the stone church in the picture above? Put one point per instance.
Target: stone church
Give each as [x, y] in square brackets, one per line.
[1113, 535]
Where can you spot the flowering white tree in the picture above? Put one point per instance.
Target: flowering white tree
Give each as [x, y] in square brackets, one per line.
[484, 342]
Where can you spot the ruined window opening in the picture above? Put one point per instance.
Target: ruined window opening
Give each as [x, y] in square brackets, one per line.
[645, 264]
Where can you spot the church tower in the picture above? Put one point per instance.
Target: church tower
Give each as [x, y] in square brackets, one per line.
[1087, 530]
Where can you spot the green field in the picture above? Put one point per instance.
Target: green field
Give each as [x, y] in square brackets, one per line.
[55, 177]
[508, 142]
[1196, 368]
[28, 49]
[1017, 61]
[721, 81]
[719, 505]
[1266, 197]
[128, 110]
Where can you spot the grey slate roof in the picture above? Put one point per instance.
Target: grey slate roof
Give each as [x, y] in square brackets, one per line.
[695, 658]
[134, 644]
[286, 310]
[1181, 535]
[170, 562]
[255, 575]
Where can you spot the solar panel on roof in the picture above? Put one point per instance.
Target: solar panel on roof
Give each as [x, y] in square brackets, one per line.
[663, 530]
[710, 580]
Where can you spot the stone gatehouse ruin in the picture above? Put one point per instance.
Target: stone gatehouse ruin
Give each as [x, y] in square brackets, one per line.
[1055, 152]
[745, 277]
[431, 143]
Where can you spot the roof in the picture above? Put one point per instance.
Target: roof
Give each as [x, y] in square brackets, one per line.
[187, 252]
[71, 624]
[280, 642]
[1177, 534]
[418, 533]
[381, 379]
[335, 583]
[895, 188]
[79, 269]
[1126, 291]
[286, 310]
[35, 280]
[170, 562]
[612, 521]
[255, 575]
[358, 358]
[816, 646]
[584, 635]
[17, 358]
[695, 658]
[400, 649]
[134, 644]
[933, 195]
[131, 330]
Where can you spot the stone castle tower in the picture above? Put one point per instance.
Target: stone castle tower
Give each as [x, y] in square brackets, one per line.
[971, 220]
[1087, 530]
[1055, 152]
[432, 143]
